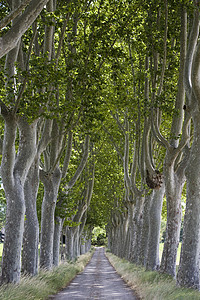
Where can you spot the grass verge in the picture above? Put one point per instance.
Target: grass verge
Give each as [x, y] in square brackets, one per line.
[46, 283]
[150, 285]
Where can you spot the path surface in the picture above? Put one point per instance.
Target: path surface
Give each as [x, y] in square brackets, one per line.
[99, 280]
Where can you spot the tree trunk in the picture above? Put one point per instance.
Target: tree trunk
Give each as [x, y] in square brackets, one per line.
[51, 185]
[188, 272]
[56, 242]
[76, 244]
[136, 230]
[174, 186]
[126, 239]
[11, 261]
[14, 172]
[143, 245]
[31, 229]
[130, 230]
[154, 230]
[69, 244]
[86, 240]
[109, 235]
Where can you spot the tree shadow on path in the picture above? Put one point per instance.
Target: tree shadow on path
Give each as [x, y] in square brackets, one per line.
[99, 280]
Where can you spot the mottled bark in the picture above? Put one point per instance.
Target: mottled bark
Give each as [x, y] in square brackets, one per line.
[174, 185]
[136, 230]
[31, 229]
[13, 35]
[154, 229]
[144, 239]
[188, 273]
[51, 185]
[14, 170]
[130, 229]
[11, 261]
[174, 167]
[77, 244]
[69, 244]
[126, 235]
[56, 242]
[31, 232]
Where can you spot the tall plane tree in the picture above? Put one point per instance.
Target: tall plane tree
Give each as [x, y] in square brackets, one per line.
[188, 273]
[18, 154]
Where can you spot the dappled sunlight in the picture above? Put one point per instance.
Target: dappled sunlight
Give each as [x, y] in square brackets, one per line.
[98, 281]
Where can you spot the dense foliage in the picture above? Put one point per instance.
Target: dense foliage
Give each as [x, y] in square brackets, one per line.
[94, 125]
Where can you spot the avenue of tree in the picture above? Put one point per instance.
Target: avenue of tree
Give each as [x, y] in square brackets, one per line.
[100, 120]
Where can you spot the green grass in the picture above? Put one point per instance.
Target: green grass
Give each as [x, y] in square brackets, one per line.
[46, 283]
[148, 285]
[151, 285]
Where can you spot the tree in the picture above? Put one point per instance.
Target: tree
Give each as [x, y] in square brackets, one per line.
[174, 169]
[188, 273]
[19, 152]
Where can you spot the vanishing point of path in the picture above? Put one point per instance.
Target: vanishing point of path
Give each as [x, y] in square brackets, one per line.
[99, 280]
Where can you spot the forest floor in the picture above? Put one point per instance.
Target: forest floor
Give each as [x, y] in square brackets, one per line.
[99, 280]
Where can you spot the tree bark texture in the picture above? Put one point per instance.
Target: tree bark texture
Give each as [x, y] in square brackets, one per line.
[136, 230]
[14, 170]
[143, 245]
[69, 244]
[31, 226]
[12, 37]
[188, 272]
[154, 229]
[51, 185]
[174, 182]
[56, 242]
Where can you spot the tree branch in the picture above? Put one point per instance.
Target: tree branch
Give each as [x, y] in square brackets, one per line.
[177, 120]
[157, 134]
[190, 54]
[27, 147]
[46, 136]
[126, 153]
[61, 38]
[195, 74]
[8, 156]
[67, 154]
[13, 14]
[165, 50]
[185, 136]
[11, 38]
[23, 86]
[81, 165]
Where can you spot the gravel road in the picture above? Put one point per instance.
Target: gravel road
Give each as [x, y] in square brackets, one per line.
[99, 280]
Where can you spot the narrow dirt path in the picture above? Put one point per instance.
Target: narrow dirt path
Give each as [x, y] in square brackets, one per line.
[99, 280]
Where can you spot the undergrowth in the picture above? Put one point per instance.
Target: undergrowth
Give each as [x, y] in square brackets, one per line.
[46, 283]
[151, 285]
